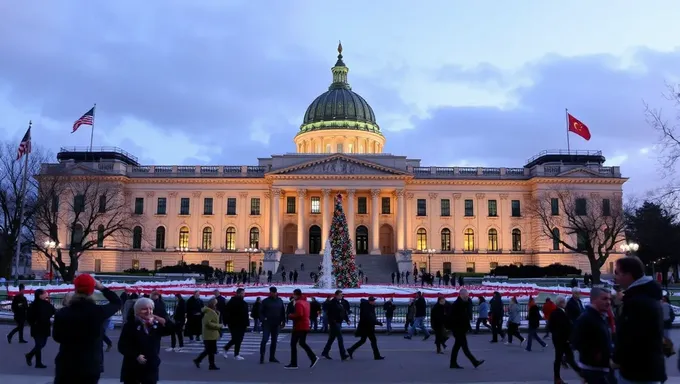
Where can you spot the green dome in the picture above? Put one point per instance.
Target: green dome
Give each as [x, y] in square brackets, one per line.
[339, 107]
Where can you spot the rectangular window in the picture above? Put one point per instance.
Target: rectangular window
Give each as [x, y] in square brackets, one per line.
[316, 204]
[421, 207]
[139, 205]
[493, 265]
[231, 206]
[78, 204]
[362, 205]
[55, 204]
[386, 205]
[208, 206]
[184, 206]
[581, 207]
[606, 207]
[102, 203]
[493, 208]
[161, 206]
[97, 265]
[135, 264]
[470, 267]
[255, 206]
[157, 264]
[229, 266]
[554, 206]
[290, 204]
[516, 212]
[469, 208]
[446, 207]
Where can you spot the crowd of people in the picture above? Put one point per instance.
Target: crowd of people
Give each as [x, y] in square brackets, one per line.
[619, 338]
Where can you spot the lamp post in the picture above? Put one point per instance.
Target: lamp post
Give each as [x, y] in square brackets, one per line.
[629, 248]
[430, 252]
[50, 246]
[250, 252]
[182, 251]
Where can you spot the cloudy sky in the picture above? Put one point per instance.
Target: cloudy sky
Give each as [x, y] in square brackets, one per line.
[480, 83]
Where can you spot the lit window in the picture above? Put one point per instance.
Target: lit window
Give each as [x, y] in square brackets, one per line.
[469, 240]
[421, 241]
[316, 204]
[493, 240]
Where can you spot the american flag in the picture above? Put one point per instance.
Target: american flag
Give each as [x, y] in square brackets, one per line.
[25, 145]
[86, 119]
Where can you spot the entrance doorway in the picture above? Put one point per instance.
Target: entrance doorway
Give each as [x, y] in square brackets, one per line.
[289, 239]
[386, 239]
[314, 239]
[362, 240]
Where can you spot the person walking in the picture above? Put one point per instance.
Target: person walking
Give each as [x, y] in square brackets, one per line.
[255, 315]
[77, 328]
[19, 309]
[438, 319]
[548, 308]
[560, 327]
[575, 306]
[591, 337]
[366, 328]
[140, 344]
[419, 320]
[194, 313]
[336, 315]
[39, 314]
[300, 317]
[273, 318]
[211, 333]
[388, 308]
[534, 318]
[179, 319]
[410, 314]
[482, 314]
[638, 351]
[237, 321]
[460, 325]
[497, 312]
[514, 321]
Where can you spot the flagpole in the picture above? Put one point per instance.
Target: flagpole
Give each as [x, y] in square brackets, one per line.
[566, 118]
[94, 110]
[17, 251]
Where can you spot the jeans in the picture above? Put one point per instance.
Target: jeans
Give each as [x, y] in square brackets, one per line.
[418, 323]
[40, 343]
[334, 332]
[257, 327]
[209, 349]
[21, 323]
[388, 324]
[300, 337]
[235, 341]
[324, 321]
[269, 330]
[177, 334]
[513, 330]
[533, 335]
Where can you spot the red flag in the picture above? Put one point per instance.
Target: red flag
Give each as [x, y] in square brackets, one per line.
[576, 126]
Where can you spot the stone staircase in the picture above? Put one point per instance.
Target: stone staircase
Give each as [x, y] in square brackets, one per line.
[378, 268]
[292, 262]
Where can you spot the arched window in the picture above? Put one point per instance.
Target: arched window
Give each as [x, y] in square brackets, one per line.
[230, 244]
[469, 240]
[160, 238]
[206, 243]
[328, 148]
[100, 236]
[516, 240]
[77, 235]
[184, 237]
[421, 239]
[137, 237]
[254, 238]
[446, 239]
[555, 239]
[493, 240]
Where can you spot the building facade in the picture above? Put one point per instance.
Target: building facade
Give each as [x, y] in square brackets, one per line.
[450, 218]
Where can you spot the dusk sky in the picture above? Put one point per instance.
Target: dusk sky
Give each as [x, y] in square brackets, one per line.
[452, 83]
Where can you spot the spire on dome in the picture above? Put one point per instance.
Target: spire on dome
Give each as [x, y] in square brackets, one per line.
[340, 72]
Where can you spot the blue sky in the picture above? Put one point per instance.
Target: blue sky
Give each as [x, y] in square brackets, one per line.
[225, 82]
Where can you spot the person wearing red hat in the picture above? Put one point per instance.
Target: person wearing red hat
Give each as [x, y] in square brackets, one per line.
[78, 330]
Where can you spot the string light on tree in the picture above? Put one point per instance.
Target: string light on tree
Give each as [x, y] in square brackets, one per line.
[344, 267]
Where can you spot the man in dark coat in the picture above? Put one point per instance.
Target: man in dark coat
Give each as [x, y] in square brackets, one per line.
[221, 306]
[39, 314]
[273, 318]
[237, 321]
[366, 328]
[78, 330]
[178, 321]
[497, 311]
[389, 308]
[575, 306]
[419, 320]
[560, 327]
[194, 316]
[638, 352]
[459, 321]
[336, 314]
[19, 308]
[591, 337]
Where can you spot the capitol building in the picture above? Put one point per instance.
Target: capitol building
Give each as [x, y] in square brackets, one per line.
[398, 210]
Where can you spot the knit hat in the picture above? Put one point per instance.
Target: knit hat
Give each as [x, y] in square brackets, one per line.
[84, 284]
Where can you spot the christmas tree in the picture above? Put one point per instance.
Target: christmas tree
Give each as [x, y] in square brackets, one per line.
[344, 269]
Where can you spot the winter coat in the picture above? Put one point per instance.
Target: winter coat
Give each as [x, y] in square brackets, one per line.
[300, 315]
[194, 313]
[514, 314]
[237, 314]
[548, 308]
[314, 309]
[336, 312]
[139, 339]
[273, 311]
[180, 313]
[534, 317]
[574, 308]
[39, 317]
[591, 337]
[78, 330]
[19, 307]
[483, 310]
[255, 310]
[421, 307]
[438, 316]
[459, 320]
[211, 324]
[497, 308]
[389, 307]
[367, 319]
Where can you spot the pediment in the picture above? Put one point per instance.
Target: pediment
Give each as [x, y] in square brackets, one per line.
[339, 165]
[579, 172]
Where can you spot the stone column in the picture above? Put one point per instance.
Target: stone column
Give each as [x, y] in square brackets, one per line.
[302, 194]
[400, 219]
[375, 223]
[276, 217]
[433, 236]
[408, 216]
[325, 218]
[350, 217]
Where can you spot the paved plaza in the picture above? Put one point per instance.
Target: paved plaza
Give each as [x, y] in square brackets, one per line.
[407, 361]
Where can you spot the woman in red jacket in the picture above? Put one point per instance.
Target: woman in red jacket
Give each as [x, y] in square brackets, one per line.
[548, 308]
[300, 330]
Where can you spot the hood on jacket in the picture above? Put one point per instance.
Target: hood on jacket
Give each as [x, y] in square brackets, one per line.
[644, 286]
[206, 309]
[301, 298]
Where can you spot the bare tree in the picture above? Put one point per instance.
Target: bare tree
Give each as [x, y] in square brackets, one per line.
[11, 174]
[80, 213]
[585, 224]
